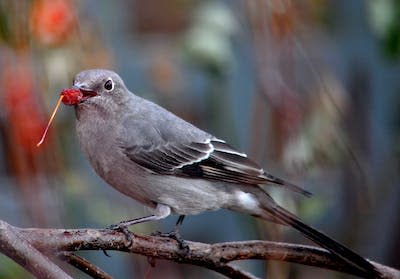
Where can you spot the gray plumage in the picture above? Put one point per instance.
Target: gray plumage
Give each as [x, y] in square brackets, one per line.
[167, 164]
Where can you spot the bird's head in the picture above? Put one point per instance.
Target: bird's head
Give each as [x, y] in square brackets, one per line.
[96, 86]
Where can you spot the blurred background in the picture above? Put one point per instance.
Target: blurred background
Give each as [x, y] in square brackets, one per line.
[310, 89]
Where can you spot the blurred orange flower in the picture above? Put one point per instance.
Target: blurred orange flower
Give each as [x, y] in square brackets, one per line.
[53, 20]
[25, 120]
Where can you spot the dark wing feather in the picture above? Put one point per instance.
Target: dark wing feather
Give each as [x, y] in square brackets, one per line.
[212, 159]
[167, 158]
[234, 160]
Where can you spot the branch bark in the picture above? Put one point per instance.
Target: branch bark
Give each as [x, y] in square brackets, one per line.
[21, 251]
[216, 257]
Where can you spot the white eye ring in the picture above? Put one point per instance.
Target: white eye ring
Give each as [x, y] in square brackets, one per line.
[109, 84]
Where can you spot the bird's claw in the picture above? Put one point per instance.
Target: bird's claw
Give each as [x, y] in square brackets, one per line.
[176, 236]
[123, 229]
[106, 253]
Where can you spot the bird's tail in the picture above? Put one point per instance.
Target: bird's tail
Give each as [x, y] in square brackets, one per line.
[284, 217]
[290, 186]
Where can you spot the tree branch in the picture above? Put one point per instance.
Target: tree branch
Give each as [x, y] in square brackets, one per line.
[212, 256]
[21, 251]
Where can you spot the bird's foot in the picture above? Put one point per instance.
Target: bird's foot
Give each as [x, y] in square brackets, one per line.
[121, 227]
[176, 236]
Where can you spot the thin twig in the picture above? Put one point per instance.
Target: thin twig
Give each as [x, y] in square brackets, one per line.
[233, 272]
[83, 265]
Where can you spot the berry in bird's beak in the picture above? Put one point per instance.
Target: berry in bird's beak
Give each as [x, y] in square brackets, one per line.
[74, 96]
[68, 96]
[71, 96]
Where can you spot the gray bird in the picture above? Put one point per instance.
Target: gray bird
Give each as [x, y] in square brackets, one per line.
[171, 166]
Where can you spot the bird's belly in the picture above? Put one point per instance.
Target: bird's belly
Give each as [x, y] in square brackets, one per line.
[183, 195]
[125, 177]
[186, 196]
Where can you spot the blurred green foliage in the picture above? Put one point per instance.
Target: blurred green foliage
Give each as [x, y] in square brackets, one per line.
[384, 16]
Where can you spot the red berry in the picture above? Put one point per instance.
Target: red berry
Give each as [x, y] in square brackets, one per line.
[71, 96]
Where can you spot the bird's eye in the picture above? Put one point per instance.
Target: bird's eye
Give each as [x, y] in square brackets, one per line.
[109, 85]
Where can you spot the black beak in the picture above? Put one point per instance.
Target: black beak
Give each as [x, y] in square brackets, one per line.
[86, 92]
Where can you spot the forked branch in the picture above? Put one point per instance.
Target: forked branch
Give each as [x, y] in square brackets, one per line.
[217, 257]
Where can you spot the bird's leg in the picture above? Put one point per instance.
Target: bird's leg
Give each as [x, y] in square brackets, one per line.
[176, 235]
[161, 212]
[123, 226]
[135, 221]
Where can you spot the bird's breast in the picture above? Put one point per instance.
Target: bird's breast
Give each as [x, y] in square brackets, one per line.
[97, 139]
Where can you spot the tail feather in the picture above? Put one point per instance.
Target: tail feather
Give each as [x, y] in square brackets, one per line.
[284, 183]
[285, 217]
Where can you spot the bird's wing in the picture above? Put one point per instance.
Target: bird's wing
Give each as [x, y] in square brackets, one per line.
[169, 157]
[210, 159]
[163, 143]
